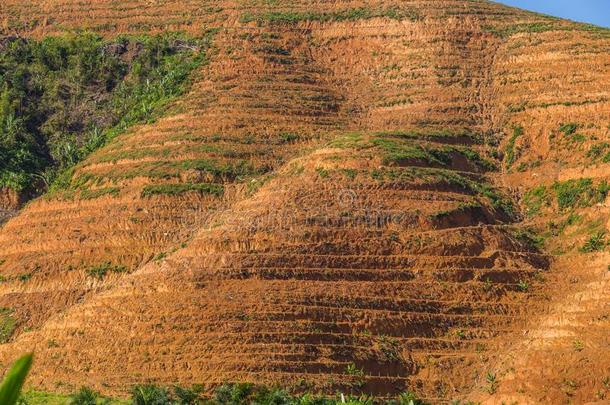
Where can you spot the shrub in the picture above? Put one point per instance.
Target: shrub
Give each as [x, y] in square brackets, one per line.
[568, 129]
[274, 396]
[408, 398]
[523, 285]
[579, 138]
[351, 369]
[85, 396]
[288, 137]
[357, 373]
[187, 396]
[492, 383]
[323, 173]
[101, 270]
[233, 394]
[579, 193]
[572, 219]
[149, 394]
[529, 238]
[245, 393]
[160, 256]
[595, 243]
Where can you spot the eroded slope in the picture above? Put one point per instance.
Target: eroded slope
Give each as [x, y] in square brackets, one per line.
[149, 190]
[308, 282]
[353, 269]
[553, 88]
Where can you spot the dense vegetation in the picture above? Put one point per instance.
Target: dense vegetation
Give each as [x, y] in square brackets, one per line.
[228, 394]
[63, 97]
[150, 394]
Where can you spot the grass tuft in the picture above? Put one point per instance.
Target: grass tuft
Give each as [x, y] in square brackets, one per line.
[103, 269]
[181, 188]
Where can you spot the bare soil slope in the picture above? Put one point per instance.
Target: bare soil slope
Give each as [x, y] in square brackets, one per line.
[410, 276]
[329, 208]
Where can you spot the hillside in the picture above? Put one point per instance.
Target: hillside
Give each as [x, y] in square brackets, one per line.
[370, 197]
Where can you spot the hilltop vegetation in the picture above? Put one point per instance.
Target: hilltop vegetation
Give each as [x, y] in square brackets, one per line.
[354, 14]
[63, 97]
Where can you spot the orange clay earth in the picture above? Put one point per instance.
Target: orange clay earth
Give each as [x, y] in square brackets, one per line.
[399, 205]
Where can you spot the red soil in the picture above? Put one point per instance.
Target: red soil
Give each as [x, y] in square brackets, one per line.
[313, 261]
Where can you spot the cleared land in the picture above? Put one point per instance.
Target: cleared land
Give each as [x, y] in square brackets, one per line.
[368, 197]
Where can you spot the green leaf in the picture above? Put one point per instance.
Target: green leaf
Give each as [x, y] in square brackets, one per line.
[14, 379]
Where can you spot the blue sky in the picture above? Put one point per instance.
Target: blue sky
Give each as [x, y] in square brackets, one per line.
[591, 11]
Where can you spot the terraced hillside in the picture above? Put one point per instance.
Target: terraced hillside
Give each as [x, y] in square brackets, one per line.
[336, 204]
[107, 16]
[145, 194]
[353, 269]
[555, 88]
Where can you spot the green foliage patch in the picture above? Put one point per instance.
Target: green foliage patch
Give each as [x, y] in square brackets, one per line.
[87, 194]
[447, 178]
[7, 324]
[508, 31]
[462, 207]
[442, 135]
[400, 150]
[226, 394]
[181, 188]
[353, 14]
[245, 393]
[536, 199]
[568, 195]
[529, 238]
[596, 243]
[85, 396]
[579, 193]
[600, 151]
[568, 129]
[65, 96]
[68, 183]
[511, 153]
[551, 24]
[101, 270]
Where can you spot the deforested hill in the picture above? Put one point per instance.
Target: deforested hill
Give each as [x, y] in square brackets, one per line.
[334, 196]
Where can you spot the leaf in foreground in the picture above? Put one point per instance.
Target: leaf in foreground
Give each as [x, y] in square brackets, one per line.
[14, 379]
